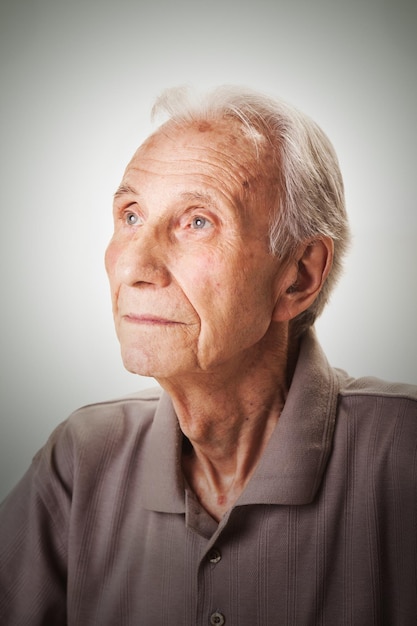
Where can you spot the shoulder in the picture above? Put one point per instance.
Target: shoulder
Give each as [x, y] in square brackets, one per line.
[371, 387]
[119, 419]
[98, 438]
[378, 419]
[371, 396]
[129, 412]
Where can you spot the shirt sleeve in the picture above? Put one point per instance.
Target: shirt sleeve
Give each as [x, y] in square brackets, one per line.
[33, 543]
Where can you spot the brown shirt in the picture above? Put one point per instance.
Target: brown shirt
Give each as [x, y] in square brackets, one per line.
[102, 529]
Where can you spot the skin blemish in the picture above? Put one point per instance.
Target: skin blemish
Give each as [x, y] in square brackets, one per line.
[204, 126]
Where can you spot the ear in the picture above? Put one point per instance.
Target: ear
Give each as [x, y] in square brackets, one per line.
[304, 278]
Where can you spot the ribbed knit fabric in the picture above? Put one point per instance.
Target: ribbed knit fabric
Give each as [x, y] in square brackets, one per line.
[102, 529]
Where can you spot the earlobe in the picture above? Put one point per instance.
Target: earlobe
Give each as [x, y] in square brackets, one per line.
[313, 263]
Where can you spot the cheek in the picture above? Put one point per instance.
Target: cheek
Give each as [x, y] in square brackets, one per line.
[204, 279]
[111, 262]
[110, 257]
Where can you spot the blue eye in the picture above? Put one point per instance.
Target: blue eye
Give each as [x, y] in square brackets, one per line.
[131, 219]
[199, 222]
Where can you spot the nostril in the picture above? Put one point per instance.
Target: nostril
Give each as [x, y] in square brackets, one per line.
[136, 270]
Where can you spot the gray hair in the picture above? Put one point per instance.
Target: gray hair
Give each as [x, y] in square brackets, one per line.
[310, 198]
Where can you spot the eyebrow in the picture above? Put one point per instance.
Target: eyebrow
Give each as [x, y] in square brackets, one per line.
[188, 196]
[124, 189]
[196, 196]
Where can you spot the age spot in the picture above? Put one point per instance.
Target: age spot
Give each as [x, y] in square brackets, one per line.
[204, 126]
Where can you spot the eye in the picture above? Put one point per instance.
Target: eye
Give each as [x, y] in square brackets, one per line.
[131, 218]
[198, 222]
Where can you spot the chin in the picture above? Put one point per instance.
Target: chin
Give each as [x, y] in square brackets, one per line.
[135, 366]
[151, 365]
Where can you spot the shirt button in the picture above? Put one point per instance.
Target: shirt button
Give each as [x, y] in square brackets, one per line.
[214, 555]
[217, 619]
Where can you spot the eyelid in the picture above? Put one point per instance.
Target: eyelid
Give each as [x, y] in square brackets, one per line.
[198, 211]
[123, 209]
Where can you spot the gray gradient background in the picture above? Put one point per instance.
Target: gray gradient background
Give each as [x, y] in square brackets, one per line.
[78, 79]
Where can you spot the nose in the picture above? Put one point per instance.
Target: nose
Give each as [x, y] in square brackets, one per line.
[139, 260]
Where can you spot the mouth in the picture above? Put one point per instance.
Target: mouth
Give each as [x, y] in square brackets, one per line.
[149, 320]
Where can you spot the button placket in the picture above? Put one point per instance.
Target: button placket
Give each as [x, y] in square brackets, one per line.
[213, 579]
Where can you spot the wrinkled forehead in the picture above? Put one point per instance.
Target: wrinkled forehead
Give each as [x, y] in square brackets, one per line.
[239, 148]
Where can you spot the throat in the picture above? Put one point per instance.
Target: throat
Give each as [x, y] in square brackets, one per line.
[216, 492]
[221, 500]
[223, 446]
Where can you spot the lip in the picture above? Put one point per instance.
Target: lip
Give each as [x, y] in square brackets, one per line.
[148, 319]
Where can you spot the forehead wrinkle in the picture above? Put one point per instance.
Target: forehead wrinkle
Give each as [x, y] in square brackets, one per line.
[235, 173]
[227, 159]
[223, 147]
[242, 168]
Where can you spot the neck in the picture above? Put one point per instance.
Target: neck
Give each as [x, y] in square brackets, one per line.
[228, 416]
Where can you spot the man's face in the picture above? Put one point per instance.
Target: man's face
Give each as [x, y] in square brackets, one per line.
[193, 283]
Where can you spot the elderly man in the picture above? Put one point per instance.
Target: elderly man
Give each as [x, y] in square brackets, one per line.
[260, 486]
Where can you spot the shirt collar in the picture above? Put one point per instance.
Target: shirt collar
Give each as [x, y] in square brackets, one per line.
[163, 479]
[291, 469]
[292, 466]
